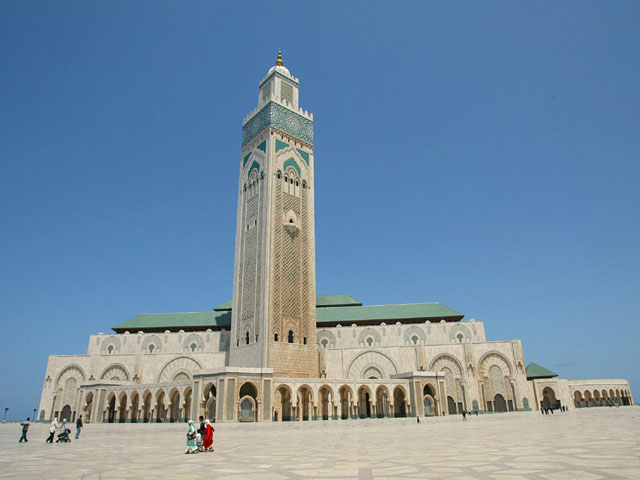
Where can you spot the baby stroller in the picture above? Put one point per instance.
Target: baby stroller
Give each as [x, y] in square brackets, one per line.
[64, 436]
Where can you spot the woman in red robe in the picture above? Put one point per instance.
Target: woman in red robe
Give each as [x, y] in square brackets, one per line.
[207, 441]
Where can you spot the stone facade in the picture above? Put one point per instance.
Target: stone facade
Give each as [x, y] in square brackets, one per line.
[268, 356]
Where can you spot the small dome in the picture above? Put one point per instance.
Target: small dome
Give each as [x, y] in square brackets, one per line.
[280, 69]
[279, 66]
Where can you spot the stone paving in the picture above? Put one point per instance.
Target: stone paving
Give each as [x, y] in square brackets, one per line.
[584, 444]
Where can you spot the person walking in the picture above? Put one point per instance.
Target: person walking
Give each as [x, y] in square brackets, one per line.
[201, 429]
[418, 418]
[191, 439]
[25, 428]
[207, 440]
[79, 426]
[464, 416]
[52, 430]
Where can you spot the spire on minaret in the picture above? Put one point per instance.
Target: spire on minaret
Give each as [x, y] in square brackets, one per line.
[279, 60]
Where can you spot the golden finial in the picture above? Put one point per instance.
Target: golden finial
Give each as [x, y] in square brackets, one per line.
[279, 61]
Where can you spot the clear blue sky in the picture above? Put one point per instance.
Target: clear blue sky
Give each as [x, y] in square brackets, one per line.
[484, 156]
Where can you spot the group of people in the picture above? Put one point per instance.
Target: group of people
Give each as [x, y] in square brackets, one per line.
[200, 440]
[63, 430]
[544, 410]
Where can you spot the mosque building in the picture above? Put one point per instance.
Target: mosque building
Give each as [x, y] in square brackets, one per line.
[279, 352]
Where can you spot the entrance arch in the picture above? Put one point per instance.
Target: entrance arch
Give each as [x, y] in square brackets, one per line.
[88, 407]
[364, 402]
[65, 414]
[147, 406]
[160, 410]
[111, 409]
[135, 402]
[326, 402]
[283, 404]
[122, 408]
[174, 406]
[383, 399]
[305, 403]
[549, 399]
[210, 402]
[346, 399]
[499, 404]
[399, 402]
[451, 405]
[248, 403]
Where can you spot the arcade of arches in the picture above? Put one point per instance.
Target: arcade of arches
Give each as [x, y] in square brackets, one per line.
[250, 399]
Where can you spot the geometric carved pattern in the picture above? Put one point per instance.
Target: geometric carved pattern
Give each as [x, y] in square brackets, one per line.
[371, 360]
[326, 339]
[115, 372]
[369, 338]
[151, 344]
[291, 263]
[494, 358]
[72, 371]
[193, 343]
[412, 332]
[250, 262]
[110, 347]
[459, 334]
[178, 366]
[444, 360]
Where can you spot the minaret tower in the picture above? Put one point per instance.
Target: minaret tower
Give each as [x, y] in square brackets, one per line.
[274, 285]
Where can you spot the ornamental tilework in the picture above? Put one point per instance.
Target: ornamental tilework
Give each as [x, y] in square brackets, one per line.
[274, 115]
[280, 145]
[291, 163]
[304, 155]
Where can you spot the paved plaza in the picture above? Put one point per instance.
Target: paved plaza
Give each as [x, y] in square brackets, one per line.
[583, 444]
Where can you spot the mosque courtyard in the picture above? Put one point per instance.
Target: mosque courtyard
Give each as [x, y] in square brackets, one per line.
[589, 443]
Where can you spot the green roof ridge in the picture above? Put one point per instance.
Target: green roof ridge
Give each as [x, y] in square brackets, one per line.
[538, 371]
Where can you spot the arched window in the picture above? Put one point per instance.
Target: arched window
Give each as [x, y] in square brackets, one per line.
[279, 175]
[290, 339]
[304, 340]
[193, 347]
[460, 337]
[324, 342]
[151, 347]
[110, 349]
[275, 337]
[414, 339]
[247, 338]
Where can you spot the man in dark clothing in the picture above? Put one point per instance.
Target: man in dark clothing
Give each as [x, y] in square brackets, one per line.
[78, 426]
[464, 416]
[201, 429]
[418, 418]
[25, 428]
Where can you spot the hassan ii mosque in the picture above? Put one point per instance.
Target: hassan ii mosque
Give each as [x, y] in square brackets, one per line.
[279, 352]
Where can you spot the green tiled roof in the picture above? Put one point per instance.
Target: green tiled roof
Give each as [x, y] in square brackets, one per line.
[172, 321]
[332, 310]
[538, 371]
[226, 306]
[340, 300]
[388, 313]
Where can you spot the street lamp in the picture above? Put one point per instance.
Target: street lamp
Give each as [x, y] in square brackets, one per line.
[34, 415]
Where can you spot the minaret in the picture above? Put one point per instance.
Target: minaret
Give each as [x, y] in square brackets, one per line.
[274, 287]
